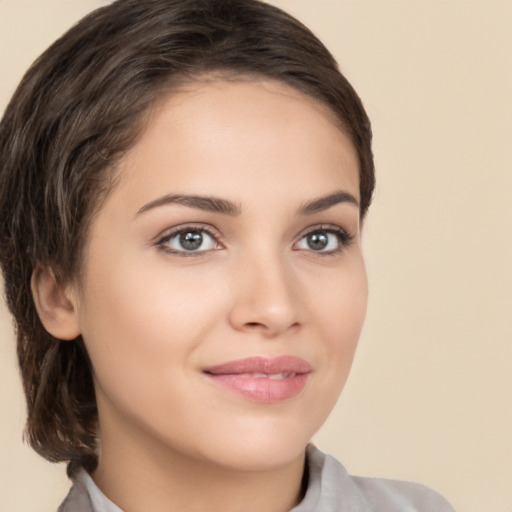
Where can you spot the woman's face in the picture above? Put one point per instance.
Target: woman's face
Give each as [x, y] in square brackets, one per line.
[224, 287]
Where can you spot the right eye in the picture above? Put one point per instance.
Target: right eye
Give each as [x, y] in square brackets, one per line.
[188, 240]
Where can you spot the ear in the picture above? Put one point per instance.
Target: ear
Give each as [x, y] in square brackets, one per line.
[55, 304]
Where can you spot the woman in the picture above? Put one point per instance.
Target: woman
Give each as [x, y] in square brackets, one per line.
[184, 184]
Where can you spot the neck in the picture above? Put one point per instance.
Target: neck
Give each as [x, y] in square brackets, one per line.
[145, 475]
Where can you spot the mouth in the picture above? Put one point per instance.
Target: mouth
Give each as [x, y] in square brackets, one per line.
[261, 379]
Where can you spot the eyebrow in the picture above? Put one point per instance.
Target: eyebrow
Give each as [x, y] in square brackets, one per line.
[324, 203]
[223, 206]
[211, 204]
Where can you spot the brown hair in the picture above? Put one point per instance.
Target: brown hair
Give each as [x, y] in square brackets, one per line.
[79, 108]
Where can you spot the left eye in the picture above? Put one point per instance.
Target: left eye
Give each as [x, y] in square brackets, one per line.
[322, 240]
[189, 240]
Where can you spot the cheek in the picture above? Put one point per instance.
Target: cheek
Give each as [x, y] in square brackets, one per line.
[346, 312]
[340, 311]
[141, 327]
[340, 302]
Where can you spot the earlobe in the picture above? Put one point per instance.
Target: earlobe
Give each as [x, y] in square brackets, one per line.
[55, 304]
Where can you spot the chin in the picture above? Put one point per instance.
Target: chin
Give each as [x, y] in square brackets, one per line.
[261, 451]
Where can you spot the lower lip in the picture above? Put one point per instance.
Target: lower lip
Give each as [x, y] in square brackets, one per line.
[263, 390]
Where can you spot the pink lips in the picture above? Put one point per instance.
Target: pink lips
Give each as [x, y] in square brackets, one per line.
[261, 379]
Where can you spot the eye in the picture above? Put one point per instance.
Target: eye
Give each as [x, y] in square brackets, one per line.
[325, 240]
[188, 240]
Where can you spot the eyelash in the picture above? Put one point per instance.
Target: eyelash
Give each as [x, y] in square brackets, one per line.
[345, 239]
[162, 242]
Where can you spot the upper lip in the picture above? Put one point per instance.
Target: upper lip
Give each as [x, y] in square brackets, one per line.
[282, 364]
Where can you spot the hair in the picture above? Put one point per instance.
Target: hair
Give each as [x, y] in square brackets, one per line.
[76, 111]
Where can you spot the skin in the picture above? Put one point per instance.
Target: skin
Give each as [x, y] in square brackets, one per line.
[152, 318]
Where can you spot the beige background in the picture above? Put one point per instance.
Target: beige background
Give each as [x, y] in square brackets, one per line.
[430, 396]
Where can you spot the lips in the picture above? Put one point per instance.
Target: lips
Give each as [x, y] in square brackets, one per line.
[261, 379]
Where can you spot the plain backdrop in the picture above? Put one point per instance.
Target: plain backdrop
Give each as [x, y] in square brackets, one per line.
[430, 395]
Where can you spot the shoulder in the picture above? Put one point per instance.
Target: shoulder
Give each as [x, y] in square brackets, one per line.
[85, 496]
[77, 499]
[399, 495]
[331, 488]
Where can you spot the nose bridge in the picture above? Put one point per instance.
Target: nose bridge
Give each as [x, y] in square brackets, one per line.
[265, 296]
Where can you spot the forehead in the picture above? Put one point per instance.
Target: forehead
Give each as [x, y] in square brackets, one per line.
[218, 136]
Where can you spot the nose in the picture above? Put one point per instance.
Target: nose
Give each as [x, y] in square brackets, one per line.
[265, 298]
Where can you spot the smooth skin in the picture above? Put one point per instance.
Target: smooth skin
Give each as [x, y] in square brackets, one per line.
[171, 286]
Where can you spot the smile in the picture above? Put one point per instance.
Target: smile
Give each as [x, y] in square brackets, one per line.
[275, 376]
[260, 379]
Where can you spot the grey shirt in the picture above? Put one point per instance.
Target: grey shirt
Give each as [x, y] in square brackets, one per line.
[330, 489]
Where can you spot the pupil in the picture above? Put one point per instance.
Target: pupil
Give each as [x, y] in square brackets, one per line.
[318, 240]
[191, 240]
